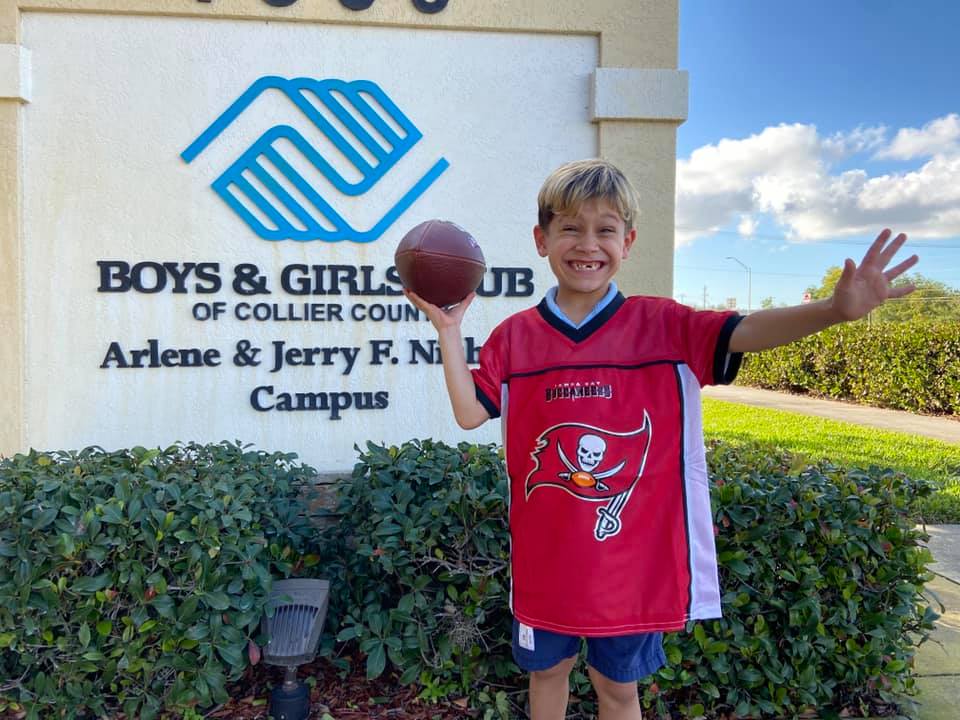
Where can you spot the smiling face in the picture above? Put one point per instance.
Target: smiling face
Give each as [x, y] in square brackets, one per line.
[585, 250]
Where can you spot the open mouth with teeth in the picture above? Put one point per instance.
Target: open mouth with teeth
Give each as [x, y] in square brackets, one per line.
[581, 266]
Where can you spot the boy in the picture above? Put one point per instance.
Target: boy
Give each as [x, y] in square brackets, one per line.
[610, 521]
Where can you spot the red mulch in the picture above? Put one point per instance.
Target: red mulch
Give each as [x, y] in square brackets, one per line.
[350, 698]
[353, 697]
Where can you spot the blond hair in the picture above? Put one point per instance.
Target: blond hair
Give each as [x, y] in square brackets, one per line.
[574, 183]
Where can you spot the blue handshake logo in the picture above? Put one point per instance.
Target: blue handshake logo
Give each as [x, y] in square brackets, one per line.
[361, 122]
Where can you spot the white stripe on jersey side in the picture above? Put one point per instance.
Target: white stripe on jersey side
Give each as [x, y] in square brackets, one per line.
[504, 403]
[704, 583]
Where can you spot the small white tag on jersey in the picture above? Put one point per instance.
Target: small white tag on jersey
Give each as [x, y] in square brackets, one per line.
[526, 637]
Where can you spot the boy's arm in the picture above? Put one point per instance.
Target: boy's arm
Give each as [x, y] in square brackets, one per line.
[859, 290]
[468, 411]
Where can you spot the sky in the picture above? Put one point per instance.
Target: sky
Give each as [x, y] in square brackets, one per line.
[812, 126]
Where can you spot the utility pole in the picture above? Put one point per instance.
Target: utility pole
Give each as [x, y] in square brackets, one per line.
[704, 297]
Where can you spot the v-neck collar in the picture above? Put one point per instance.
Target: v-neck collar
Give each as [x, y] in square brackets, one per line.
[581, 333]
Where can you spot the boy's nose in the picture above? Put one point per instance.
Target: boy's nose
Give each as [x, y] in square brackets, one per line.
[588, 240]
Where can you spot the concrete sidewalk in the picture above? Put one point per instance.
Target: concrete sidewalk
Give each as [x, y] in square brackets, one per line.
[939, 428]
[938, 660]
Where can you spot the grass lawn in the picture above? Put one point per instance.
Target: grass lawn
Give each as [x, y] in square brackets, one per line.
[844, 444]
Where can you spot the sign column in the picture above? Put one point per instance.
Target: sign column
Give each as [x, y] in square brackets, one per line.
[14, 90]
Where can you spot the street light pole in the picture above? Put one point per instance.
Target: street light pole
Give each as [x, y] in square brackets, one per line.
[749, 281]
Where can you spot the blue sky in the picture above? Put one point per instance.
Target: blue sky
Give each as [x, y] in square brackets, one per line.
[813, 125]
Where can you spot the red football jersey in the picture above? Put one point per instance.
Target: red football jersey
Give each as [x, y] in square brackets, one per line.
[610, 520]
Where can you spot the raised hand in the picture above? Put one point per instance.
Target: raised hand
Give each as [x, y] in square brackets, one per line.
[863, 288]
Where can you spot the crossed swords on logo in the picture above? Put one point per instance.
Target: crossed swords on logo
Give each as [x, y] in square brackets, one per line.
[608, 522]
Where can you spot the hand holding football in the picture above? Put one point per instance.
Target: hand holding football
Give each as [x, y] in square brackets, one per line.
[440, 262]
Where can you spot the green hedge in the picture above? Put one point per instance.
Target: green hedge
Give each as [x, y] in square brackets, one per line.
[821, 573]
[135, 579]
[418, 566]
[909, 366]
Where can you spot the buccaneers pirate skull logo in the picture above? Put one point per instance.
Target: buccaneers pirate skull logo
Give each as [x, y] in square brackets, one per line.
[590, 450]
[591, 464]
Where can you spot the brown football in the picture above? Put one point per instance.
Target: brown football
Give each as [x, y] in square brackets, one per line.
[440, 262]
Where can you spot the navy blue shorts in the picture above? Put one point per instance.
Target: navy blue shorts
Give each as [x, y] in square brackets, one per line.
[625, 658]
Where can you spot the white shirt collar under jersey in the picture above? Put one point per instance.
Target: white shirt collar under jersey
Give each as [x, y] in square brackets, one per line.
[551, 299]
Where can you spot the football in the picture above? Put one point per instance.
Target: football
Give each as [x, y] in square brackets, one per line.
[440, 262]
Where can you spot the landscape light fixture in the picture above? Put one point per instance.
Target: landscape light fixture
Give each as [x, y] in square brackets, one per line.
[299, 607]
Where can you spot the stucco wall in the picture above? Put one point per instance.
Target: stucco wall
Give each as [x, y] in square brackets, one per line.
[635, 128]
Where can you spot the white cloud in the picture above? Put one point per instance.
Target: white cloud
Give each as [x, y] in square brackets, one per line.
[748, 226]
[785, 173]
[937, 136]
[861, 139]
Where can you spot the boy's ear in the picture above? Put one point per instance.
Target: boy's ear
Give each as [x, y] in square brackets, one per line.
[628, 241]
[540, 238]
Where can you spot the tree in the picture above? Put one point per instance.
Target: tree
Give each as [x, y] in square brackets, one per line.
[830, 279]
[931, 301]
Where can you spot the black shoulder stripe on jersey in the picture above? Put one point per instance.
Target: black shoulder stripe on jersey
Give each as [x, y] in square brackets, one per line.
[726, 364]
[582, 333]
[487, 403]
[593, 366]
